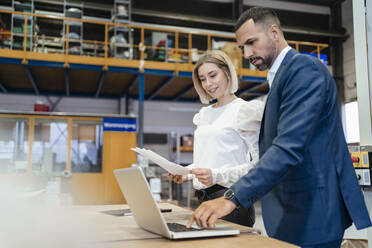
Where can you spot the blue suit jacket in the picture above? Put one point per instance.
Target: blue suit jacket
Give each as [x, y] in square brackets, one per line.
[305, 176]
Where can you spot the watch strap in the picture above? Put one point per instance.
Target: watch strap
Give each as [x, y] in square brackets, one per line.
[235, 201]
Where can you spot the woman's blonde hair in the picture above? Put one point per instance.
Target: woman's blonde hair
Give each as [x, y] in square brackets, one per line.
[223, 62]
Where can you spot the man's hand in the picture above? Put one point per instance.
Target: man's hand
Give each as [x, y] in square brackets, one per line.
[177, 178]
[208, 212]
[204, 175]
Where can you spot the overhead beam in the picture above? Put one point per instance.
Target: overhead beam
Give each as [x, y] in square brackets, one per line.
[311, 31]
[131, 85]
[2, 87]
[276, 4]
[183, 92]
[262, 88]
[176, 16]
[226, 22]
[100, 82]
[67, 81]
[32, 79]
[237, 8]
[167, 81]
[250, 97]
[290, 6]
[337, 2]
[53, 105]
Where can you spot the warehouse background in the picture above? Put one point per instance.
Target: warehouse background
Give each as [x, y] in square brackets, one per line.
[322, 21]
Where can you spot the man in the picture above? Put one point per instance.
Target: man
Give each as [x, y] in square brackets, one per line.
[304, 178]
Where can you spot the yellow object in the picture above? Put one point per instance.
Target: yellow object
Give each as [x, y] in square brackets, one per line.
[233, 51]
[363, 160]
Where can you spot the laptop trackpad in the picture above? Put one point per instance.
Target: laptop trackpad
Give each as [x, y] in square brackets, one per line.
[180, 226]
[177, 227]
[184, 223]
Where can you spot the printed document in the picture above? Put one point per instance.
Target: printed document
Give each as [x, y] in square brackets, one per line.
[171, 167]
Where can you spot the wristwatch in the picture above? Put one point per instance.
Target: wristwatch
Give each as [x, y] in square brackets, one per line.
[230, 195]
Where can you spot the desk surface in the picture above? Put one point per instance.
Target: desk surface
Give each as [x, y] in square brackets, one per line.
[25, 224]
[105, 230]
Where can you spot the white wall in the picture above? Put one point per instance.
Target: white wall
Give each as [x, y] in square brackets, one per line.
[159, 117]
[165, 117]
[12, 102]
[173, 118]
[349, 57]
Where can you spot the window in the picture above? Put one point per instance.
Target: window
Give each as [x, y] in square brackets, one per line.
[13, 145]
[86, 147]
[49, 150]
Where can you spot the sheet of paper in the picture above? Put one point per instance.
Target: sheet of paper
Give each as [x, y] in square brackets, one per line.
[171, 167]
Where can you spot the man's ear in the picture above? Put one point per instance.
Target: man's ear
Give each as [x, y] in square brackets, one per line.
[274, 31]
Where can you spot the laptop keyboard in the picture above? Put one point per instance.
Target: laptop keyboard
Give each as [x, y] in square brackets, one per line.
[176, 227]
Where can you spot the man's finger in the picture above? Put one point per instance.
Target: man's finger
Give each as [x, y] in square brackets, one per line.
[197, 219]
[190, 222]
[199, 213]
[212, 219]
[204, 218]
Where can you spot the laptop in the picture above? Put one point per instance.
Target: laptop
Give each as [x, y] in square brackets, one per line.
[146, 212]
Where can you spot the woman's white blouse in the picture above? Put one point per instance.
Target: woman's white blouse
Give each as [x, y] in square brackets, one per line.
[226, 140]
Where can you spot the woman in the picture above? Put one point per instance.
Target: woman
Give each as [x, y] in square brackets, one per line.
[226, 137]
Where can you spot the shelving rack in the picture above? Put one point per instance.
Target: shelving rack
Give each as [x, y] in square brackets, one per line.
[18, 24]
[75, 35]
[120, 36]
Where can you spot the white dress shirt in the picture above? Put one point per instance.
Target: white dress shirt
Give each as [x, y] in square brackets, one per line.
[226, 140]
[278, 61]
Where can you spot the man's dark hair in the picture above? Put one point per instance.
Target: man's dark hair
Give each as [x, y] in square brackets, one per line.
[261, 15]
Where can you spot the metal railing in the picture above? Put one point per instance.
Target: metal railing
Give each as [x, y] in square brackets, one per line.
[179, 47]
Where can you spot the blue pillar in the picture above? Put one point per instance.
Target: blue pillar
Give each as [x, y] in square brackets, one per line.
[141, 99]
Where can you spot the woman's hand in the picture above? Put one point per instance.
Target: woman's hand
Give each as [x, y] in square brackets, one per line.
[204, 175]
[177, 178]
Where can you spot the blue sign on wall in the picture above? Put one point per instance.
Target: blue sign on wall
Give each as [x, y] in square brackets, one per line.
[120, 124]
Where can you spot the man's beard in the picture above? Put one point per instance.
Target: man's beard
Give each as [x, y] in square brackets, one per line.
[263, 66]
[267, 61]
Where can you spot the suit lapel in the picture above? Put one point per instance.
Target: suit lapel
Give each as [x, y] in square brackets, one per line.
[280, 71]
[277, 77]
